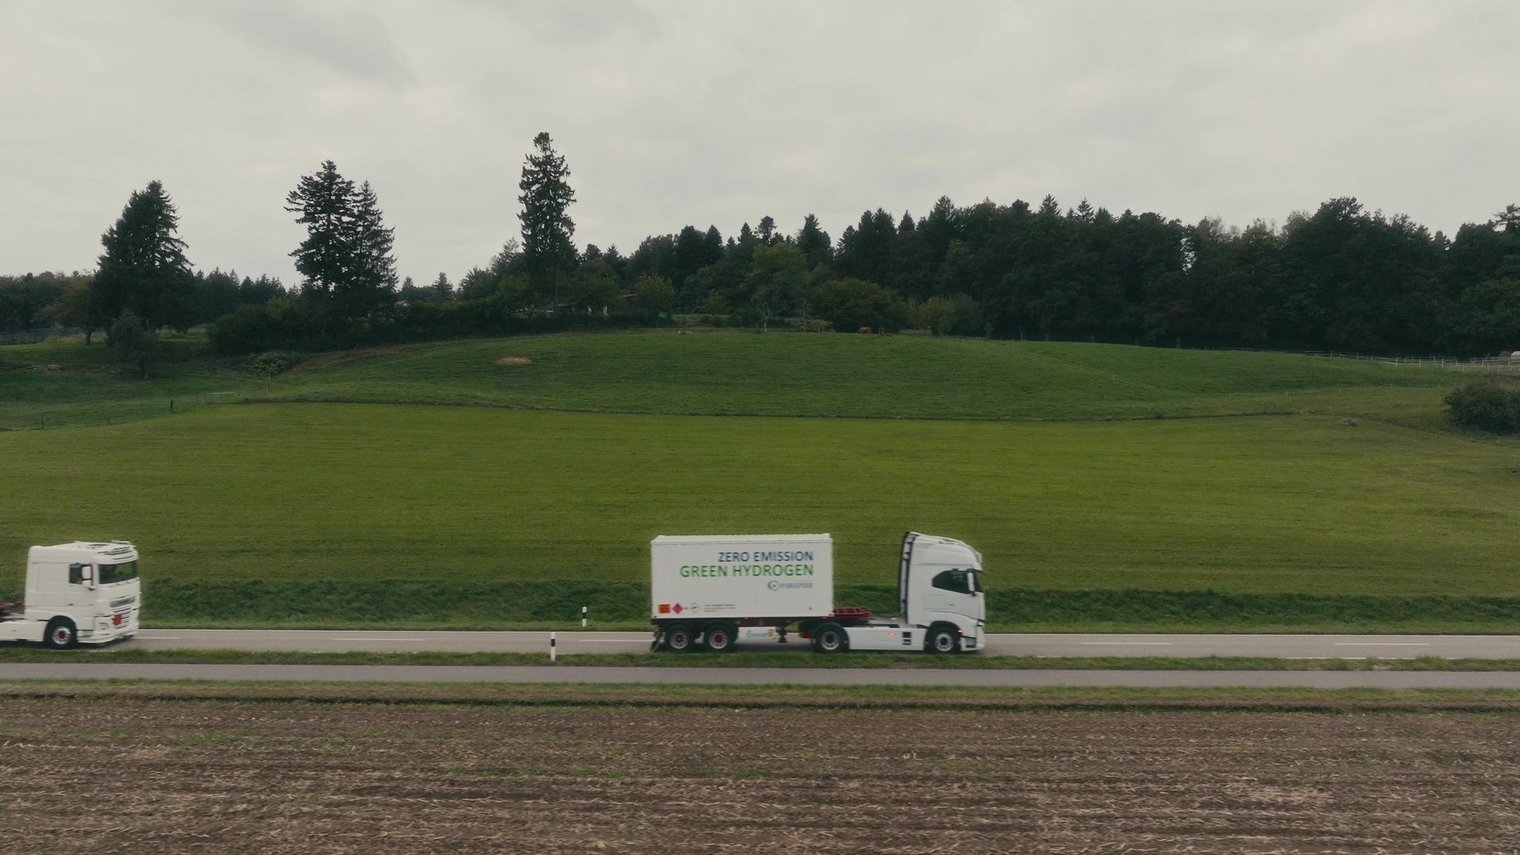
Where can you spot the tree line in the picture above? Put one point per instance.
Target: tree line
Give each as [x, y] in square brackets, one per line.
[40, 301]
[1340, 278]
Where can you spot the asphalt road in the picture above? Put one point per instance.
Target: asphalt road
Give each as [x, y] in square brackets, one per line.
[573, 642]
[768, 676]
[1061, 645]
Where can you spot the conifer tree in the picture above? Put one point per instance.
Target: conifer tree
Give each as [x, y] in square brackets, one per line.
[547, 246]
[143, 268]
[345, 262]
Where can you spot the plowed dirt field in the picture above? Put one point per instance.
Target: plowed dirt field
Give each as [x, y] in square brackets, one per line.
[163, 776]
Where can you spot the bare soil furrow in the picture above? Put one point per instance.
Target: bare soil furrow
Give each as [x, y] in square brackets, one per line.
[227, 776]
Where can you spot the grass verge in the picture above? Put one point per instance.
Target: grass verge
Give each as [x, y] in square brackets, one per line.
[841, 697]
[887, 661]
[326, 604]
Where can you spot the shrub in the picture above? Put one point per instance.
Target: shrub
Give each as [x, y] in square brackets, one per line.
[134, 344]
[272, 363]
[850, 304]
[957, 314]
[1486, 406]
[252, 329]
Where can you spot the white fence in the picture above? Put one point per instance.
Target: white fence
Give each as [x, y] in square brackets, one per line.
[36, 335]
[1503, 363]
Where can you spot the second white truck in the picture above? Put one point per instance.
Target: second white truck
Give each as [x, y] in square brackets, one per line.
[76, 593]
[709, 592]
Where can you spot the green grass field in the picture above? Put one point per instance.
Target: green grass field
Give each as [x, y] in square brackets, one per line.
[1090, 511]
[851, 376]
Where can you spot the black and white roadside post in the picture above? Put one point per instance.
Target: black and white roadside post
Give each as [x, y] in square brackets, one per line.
[552, 643]
[583, 617]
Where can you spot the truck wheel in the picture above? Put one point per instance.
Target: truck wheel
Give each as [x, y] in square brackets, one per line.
[830, 638]
[60, 634]
[943, 640]
[719, 637]
[678, 638]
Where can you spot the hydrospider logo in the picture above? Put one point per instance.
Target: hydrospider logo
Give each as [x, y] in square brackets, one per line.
[777, 585]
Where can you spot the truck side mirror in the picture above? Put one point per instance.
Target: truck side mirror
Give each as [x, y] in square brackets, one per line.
[82, 574]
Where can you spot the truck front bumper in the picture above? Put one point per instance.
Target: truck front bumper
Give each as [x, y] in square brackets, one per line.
[110, 628]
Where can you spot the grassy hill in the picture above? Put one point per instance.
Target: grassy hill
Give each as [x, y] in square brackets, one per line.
[1090, 513]
[844, 375]
[736, 373]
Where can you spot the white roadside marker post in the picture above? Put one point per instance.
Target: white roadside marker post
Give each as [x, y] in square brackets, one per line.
[552, 642]
[583, 617]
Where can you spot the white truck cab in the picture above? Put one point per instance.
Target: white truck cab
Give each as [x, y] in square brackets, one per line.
[940, 599]
[76, 593]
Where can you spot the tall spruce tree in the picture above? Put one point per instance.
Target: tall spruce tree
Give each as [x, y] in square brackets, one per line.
[143, 268]
[549, 253]
[345, 262]
[814, 242]
[375, 241]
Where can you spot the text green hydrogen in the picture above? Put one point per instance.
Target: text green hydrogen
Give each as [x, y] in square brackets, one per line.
[725, 570]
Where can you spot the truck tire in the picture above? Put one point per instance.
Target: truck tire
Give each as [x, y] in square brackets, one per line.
[61, 634]
[943, 640]
[679, 638]
[719, 636]
[830, 638]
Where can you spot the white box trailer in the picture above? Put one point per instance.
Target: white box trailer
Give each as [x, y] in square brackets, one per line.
[709, 577]
[76, 593]
[711, 591]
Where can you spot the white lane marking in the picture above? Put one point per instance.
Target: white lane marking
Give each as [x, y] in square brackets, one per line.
[1381, 644]
[1131, 643]
[1345, 658]
[607, 640]
[388, 638]
[158, 637]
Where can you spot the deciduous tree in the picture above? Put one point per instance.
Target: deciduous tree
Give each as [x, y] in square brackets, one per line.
[653, 295]
[78, 307]
[777, 277]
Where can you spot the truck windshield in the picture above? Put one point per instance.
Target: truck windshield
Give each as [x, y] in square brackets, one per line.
[118, 572]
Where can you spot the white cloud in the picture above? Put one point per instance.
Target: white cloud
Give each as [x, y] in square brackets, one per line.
[676, 113]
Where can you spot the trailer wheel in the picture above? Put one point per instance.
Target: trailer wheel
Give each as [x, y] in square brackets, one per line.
[60, 634]
[830, 638]
[678, 638]
[719, 636]
[943, 640]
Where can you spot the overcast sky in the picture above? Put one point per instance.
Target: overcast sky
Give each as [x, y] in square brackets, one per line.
[719, 113]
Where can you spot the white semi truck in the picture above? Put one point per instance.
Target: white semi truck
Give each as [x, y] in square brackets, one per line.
[76, 593]
[708, 592]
